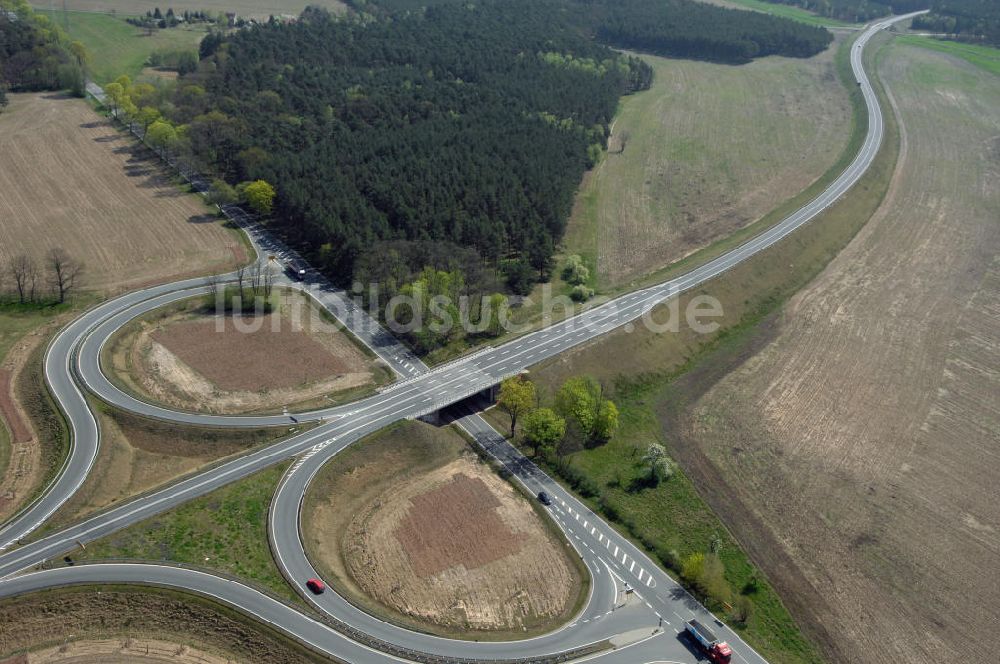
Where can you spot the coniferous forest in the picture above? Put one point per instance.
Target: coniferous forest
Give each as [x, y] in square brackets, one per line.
[969, 20]
[471, 123]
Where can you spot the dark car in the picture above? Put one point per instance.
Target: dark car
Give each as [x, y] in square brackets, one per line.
[316, 586]
[544, 499]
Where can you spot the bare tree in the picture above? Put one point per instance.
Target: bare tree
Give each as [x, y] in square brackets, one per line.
[268, 280]
[25, 274]
[64, 272]
[241, 273]
[256, 277]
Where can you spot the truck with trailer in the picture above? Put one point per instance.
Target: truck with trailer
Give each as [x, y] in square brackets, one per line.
[718, 651]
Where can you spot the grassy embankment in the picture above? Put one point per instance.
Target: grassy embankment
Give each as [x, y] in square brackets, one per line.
[118, 48]
[125, 613]
[18, 322]
[986, 57]
[225, 531]
[641, 369]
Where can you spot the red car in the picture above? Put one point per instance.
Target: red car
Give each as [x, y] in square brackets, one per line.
[316, 586]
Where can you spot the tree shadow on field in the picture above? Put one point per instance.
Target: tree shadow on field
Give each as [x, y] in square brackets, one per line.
[203, 219]
[93, 125]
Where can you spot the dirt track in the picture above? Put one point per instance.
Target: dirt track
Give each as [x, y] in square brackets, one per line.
[863, 441]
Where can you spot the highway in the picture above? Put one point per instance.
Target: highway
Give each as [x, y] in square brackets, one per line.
[644, 621]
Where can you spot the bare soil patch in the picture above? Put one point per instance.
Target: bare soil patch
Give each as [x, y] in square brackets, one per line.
[194, 359]
[417, 529]
[862, 442]
[71, 179]
[114, 624]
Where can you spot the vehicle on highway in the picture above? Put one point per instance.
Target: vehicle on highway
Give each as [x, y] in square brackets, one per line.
[316, 586]
[543, 498]
[718, 651]
[296, 268]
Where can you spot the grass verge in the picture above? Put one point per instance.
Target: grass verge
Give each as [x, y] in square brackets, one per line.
[225, 531]
[674, 519]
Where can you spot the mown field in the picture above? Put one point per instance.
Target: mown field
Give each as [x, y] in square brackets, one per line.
[260, 9]
[982, 56]
[707, 150]
[118, 48]
[865, 435]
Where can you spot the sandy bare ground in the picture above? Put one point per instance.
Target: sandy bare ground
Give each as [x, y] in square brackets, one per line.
[70, 179]
[458, 547]
[416, 528]
[206, 362]
[123, 651]
[865, 439]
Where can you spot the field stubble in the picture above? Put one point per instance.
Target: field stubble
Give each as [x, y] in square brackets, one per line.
[864, 437]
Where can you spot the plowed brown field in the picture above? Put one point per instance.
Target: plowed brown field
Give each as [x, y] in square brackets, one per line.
[864, 440]
[70, 179]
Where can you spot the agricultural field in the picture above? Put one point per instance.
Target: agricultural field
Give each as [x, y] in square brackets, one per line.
[986, 57]
[864, 436]
[192, 358]
[259, 9]
[784, 11]
[106, 201]
[705, 152]
[130, 625]
[118, 48]
[413, 526]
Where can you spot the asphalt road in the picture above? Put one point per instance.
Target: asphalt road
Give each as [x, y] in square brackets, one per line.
[73, 360]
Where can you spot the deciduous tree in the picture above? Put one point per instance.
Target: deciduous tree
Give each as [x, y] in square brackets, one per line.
[64, 272]
[543, 428]
[517, 397]
[259, 195]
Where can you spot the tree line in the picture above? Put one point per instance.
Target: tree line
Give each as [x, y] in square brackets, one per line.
[36, 55]
[468, 123]
[456, 124]
[26, 281]
[968, 20]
